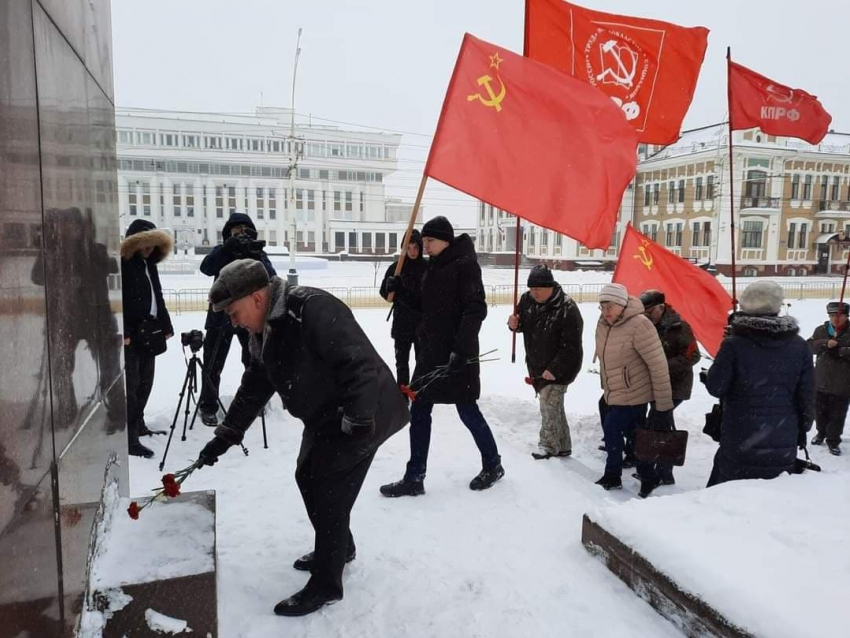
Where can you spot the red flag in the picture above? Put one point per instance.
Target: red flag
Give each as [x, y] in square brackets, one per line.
[648, 67]
[757, 101]
[694, 293]
[530, 140]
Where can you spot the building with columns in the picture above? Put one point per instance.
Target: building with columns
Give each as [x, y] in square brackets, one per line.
[792, 206]
[189, 171]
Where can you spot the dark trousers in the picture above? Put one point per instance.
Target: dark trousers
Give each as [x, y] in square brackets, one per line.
[329, 498]
[619, 424]
[216, 348]
[420, 437]
[830, 414]
[402, 359]
[655, 472]
[629, 444]
[138, 370]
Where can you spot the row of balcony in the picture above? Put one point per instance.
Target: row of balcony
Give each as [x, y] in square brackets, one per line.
[776, 203]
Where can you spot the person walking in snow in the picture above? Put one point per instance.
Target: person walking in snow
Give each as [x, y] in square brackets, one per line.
[407, 313]
[239, 242]
[453, 308]
[764, 376]
[682, 353]
[830, 343]
[634, 373]
[551, 327]
[306, 346]
[147, 323]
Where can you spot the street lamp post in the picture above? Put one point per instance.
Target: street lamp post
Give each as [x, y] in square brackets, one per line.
[292, 275]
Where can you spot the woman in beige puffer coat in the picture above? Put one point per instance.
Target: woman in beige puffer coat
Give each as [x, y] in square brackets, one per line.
[634, 373]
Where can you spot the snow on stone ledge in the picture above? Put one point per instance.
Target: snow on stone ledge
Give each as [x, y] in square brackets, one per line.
[162, 624]
[768, 555]
[167, 541]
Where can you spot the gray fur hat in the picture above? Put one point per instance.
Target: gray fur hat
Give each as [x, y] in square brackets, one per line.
[236, 280]
[762, 298]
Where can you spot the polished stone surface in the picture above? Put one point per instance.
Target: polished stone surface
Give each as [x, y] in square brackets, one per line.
[62, 410]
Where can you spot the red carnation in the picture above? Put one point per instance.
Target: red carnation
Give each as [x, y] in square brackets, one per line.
[133, 510]
[409, 392]
[171, 487]
[529, 380]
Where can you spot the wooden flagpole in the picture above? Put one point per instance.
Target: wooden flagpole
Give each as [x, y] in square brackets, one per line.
[731, 178]
[516, 283]
[407, 235]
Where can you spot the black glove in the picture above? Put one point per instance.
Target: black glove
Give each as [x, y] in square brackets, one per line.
[801, 439]
[357, 427]
[661, 421]
[703, 376]
[393, 284]
[233, 245]
[456, 362]
[212, 450]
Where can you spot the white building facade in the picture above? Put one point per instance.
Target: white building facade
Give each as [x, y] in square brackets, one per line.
[189, 172]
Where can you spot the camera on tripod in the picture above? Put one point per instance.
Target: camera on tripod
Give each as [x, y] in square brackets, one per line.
[194, 339]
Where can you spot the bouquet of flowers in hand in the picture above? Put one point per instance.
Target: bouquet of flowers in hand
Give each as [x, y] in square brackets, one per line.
[438, 373]
[170, 489]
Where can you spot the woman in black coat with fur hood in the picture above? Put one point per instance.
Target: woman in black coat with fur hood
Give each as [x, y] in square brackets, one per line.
[764, 376]
[144, 313]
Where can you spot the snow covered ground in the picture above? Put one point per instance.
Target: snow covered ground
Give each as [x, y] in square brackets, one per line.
[506, 562]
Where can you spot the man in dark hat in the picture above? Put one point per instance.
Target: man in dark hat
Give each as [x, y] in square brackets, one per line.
[447, 371]
[144, 246]
[239, 241]
[307, 346]
[682, 353]
[551, 326]
[407, 311]
[830, 343]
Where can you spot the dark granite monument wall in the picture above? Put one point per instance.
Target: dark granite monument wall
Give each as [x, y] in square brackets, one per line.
[62, 413]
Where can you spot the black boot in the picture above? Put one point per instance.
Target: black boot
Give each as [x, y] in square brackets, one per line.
[486, 478]
[629, 461]
[541, 456]
[305, 563]
[646, 488]
[834, 450]
[305, 602]
[209, 417]
[403, 488]
[610, 482]
[818, 439]
[137, 449]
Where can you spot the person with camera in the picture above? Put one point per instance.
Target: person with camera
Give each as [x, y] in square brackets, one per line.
[830, 343]
[239, 237]
[307, 346]
[407, 312]
[147, 323]
[764, 377]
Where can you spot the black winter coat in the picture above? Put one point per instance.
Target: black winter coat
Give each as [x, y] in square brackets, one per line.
[832, 370]
[552, 334]
[453, 308]
[315, 355]
[135, 287]
[219, 257]
[681, 350]
[763, 374]
[407, 304]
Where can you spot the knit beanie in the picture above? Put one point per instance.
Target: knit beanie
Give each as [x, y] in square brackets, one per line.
[541, 277]
[615, 293]
[439, 228]
[762, 298]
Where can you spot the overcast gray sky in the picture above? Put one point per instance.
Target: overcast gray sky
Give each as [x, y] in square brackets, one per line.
[386, 63]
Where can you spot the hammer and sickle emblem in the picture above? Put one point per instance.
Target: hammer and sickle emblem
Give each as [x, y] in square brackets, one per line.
[645, 257]
[494, 100]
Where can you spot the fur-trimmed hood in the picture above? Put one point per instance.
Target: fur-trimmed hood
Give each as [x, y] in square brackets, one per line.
[143, 234]
[765, 329]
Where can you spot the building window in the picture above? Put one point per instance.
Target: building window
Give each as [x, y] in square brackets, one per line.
[212, 142]
[231, 200]
[709, 187]
[681, 191]
[146, 199]
[311, 200]
[349, 204]
[219, 202]
[146, 138]
[695, 235]
[393, 241]
[190, 202]
[168, 139]
[233, 143]
[792, 234]
[807, 188]
[125, 137]
[335, 150]
[674, 234]
[133, 201]
[380, 243]
[272, 204]
[311, 237]
[272, 238]
[177, 199]
[751, 234]
[192, 141]
[795, 186]
[352, 241]
[337, 200]
[802, 236]
[218, 236]
[706, 234]
[299, 199]
[698, 190]
[361, 201]
[671, 192]
[836, 188]
[756, 184]
[824, 187]
[656, 190]
[647, 193]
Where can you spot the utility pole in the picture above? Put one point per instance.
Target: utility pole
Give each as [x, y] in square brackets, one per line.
[292, 275]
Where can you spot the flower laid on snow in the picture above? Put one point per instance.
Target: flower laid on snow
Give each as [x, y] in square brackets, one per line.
[170, 489]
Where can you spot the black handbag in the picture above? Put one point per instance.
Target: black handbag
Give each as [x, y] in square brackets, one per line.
[654, 446]
[712, 422]
[150, 336]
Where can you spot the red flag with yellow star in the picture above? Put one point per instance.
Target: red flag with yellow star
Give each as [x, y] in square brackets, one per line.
[533, 141]
[695, 294]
